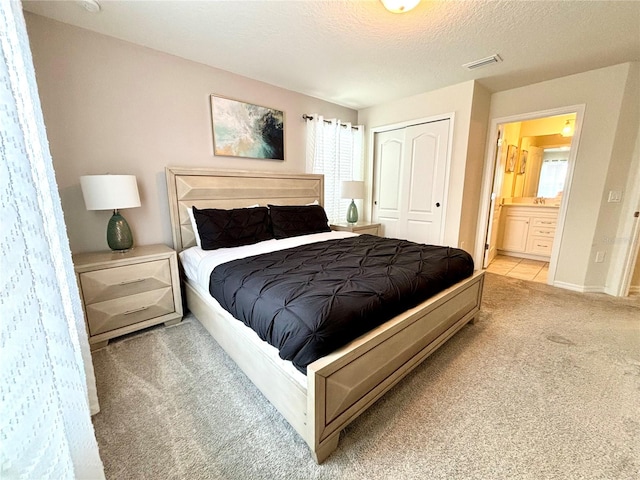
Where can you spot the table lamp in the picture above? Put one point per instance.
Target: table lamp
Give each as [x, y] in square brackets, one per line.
[112, 192]
[352, 190]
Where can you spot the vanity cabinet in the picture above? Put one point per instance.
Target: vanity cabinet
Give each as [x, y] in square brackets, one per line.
[528, 231]
[516, 228]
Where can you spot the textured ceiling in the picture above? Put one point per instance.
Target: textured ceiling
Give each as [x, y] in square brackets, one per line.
[357, 54]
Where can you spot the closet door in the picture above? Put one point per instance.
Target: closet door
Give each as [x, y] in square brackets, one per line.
[410, 175]
[387, 205]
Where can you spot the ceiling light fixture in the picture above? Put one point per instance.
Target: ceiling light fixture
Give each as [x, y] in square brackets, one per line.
[567, 130]
[483, 62]
[400, 6]
[90, 5]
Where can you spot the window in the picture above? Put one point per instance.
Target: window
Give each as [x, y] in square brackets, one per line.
[553, 172]
[334, 150]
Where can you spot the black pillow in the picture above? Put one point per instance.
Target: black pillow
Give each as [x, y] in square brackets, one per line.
[220, 228]
[291, 221]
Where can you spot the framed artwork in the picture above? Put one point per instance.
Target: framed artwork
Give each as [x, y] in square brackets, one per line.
[512, 156]
[523, 162]
[246, 130]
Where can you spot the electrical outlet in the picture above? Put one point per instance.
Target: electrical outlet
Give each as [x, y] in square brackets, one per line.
[600, 257]
[615, 196]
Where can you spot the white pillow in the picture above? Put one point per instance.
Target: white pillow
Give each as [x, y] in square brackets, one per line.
[194, 225]
[315, 202]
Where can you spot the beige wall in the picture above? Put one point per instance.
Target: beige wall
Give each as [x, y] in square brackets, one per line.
[604, 92]
[114, 107]
[470, 104]
[634, 185]
[635, 281]
[609, 236]
[627, 231]
[480, 104]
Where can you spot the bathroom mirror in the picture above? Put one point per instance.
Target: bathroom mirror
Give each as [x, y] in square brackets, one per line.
[545, 171]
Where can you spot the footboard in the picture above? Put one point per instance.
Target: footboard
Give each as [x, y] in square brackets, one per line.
[345, 383]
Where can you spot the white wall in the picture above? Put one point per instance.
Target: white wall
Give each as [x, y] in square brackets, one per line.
[604, 92]
[115, 107]
[470, 104]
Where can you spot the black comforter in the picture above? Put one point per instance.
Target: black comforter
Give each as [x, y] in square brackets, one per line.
[310, 300]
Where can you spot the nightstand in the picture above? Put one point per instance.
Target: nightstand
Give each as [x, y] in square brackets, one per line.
[125, 292]
[360, 227]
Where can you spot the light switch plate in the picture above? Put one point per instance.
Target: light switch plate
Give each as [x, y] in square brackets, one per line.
[615, 196]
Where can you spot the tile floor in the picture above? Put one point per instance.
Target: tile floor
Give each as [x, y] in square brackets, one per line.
[521, 268]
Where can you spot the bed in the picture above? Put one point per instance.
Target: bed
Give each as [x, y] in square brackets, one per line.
[340, 385]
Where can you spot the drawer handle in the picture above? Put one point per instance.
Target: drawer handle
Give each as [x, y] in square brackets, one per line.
[545, 231]
[137, 280]
[546, 223]
[136, 310]
[541, 246]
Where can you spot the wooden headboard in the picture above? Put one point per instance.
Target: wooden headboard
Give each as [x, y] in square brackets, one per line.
[208, 188]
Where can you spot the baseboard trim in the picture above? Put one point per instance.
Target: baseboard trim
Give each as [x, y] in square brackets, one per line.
[579, 288]
[528, 256]
[634, 289]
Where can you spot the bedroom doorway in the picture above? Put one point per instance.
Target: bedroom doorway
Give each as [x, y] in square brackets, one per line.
[525, 192]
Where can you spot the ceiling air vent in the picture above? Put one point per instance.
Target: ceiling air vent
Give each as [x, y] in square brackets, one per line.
[483, 62]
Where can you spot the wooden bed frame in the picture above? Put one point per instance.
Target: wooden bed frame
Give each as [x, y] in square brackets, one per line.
[345, 383]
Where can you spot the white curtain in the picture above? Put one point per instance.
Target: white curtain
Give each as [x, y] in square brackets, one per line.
[335, 150]
[45, 363]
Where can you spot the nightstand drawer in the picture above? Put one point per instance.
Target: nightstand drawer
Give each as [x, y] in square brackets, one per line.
[116, 282]
[121, 312]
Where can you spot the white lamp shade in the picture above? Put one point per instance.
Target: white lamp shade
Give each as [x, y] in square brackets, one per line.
[109, 192]
[353, 189]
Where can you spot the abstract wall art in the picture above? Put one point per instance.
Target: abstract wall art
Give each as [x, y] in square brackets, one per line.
[246, 130]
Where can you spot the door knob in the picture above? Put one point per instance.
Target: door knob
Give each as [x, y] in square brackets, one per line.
[437, 204]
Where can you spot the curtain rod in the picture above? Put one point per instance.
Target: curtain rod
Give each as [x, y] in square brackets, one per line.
[310, 117]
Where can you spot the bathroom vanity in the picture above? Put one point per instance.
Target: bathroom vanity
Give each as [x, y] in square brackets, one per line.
[527, 230]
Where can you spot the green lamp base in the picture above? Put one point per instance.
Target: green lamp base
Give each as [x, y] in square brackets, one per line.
[119, 235]
[352, 213]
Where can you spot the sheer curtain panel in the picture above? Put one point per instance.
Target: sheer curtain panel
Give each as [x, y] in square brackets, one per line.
[46, 375]
[334, 150]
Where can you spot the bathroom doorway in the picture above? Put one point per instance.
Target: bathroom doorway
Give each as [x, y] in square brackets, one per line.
[533, 157]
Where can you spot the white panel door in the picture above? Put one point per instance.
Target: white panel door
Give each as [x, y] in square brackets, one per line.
[410, 175]
[427, 147]
[532, 174]
[388, 182]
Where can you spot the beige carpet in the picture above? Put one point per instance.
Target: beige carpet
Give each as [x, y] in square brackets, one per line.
[546, 385]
